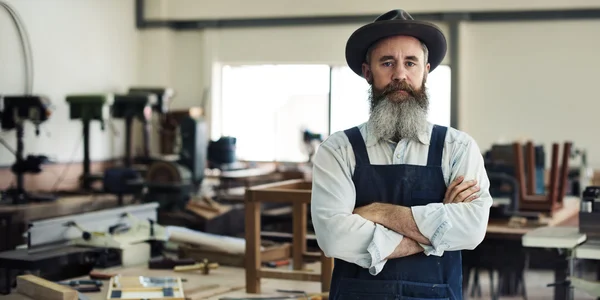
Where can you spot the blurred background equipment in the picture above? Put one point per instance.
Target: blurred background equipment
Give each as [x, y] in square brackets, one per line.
[221, 153]
[311, 141]
[129, 107]
[15, 110]
[172, 179]
[161, 100]
[88, 108]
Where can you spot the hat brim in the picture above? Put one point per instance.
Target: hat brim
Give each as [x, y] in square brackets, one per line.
[360, 41]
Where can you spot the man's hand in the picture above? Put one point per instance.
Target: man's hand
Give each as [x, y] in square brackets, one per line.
[406, 247]
[372, 212]
[461, 191]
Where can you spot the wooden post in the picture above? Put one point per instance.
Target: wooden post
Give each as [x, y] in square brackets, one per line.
[326, 272]
[299, 239]
[252, 245]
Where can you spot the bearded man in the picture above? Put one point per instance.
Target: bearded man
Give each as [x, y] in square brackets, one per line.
[396, 199]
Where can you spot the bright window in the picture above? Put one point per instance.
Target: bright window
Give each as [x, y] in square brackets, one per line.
[267, 108]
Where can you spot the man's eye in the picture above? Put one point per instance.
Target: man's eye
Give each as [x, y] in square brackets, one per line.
[410, 64]
[387, 64]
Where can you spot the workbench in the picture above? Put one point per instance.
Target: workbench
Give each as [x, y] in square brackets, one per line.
[221, 282]
[21, 215]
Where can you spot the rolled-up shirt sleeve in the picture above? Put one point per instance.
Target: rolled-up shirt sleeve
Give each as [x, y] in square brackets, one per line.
[340, 233]
[458, 226]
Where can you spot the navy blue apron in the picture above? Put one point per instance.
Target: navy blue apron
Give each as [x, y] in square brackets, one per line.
[412, 277]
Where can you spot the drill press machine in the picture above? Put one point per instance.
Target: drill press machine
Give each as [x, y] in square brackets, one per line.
[88, 108]
[162, 98]
[130, 107]
[14, 111]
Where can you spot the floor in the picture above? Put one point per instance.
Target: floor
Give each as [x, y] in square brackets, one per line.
[228, 283]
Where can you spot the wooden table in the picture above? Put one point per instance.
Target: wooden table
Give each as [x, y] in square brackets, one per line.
[221, 282]
[298, 193]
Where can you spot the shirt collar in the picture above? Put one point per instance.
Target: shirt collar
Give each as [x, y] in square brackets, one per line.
[424, 137]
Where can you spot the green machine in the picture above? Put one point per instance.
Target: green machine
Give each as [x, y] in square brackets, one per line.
[88, 108]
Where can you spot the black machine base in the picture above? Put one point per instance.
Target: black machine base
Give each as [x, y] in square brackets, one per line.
[54, 264]
[17, 196]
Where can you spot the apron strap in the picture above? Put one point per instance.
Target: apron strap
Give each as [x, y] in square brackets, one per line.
[358, 145]
[436, 146]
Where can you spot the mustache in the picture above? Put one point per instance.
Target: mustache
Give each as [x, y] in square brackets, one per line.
[396, 86]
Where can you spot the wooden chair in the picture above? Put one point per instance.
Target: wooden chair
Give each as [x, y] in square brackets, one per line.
[552, 200]
[296, 192]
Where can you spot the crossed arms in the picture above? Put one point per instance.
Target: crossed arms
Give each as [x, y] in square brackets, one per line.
[372, 234]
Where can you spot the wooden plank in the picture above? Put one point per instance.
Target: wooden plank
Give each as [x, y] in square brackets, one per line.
[290, 275]
[278, 184]
[281, 196]
[42, 289]
[252, 246]
[326, 272]
[299, 241]
[312, 255]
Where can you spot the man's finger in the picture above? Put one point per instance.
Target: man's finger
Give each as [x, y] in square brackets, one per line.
[461, 187]
[452, 185]
[464, 195]
[472, 198]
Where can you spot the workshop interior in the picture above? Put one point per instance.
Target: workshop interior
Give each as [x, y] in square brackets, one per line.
[163, 149]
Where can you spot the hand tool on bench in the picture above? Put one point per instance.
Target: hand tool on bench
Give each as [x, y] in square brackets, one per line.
[83, 286]
[205, 266]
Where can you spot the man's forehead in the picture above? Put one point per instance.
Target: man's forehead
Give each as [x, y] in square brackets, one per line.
[396, 43]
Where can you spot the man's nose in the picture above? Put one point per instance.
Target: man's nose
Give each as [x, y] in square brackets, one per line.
[399, 73]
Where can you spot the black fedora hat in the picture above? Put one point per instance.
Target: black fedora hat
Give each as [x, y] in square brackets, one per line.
[394, 22]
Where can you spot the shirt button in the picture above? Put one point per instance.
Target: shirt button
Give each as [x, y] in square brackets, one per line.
[398, 155]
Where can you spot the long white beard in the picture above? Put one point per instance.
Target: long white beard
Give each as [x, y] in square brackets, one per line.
[394, 121]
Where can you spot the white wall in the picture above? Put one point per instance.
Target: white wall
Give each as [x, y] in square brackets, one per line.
[298, 44]
[223, 9]
[534, 80]
[78, 47]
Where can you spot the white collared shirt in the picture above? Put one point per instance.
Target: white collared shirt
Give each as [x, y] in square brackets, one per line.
[349, 237]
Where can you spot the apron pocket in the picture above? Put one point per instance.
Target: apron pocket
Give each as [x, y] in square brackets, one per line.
[424, 291]
[364, 296]
[361, 289]
[413, 298]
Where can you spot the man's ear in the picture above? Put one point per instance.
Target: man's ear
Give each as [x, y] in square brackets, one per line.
[367, 74]
[427, 68]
